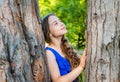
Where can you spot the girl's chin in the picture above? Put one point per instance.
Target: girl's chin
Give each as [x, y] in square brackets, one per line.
[61, 34]
[64, 32]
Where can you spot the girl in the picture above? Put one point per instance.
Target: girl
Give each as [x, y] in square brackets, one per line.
[63, 62]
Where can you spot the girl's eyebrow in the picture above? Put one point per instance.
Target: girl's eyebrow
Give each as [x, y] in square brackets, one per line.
[54, 22]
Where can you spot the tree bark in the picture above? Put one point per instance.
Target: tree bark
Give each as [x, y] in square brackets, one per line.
[22, 54]
[103, 41]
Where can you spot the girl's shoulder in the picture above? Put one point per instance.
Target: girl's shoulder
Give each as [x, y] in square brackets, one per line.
[49, 53]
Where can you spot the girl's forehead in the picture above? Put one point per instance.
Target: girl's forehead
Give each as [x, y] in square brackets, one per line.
[52, 18]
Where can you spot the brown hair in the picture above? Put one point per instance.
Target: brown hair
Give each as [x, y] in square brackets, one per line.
[45, 28]
[71, 55]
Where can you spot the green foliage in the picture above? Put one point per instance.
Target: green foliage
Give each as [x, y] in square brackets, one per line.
[72, 13]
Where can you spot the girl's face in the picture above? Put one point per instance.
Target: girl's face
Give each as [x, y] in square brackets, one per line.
[57, 28]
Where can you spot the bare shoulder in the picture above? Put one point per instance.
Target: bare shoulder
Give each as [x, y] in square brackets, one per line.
[49, 54]
[52, 64]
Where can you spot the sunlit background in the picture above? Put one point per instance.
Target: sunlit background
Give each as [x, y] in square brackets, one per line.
[72, 13]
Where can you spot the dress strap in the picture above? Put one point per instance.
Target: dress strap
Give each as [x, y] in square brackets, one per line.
[57, 55]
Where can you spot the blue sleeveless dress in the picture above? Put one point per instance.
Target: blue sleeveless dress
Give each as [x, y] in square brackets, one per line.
[63, 63]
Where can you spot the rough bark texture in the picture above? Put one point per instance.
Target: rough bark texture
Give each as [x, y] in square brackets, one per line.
[103, 41]
[22, 57]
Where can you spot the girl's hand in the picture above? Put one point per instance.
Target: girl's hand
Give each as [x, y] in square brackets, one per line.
[83, 58]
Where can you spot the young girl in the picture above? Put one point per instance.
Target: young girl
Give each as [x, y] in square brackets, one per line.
[63, 62]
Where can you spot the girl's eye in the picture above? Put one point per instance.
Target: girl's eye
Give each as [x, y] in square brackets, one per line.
[55, 23]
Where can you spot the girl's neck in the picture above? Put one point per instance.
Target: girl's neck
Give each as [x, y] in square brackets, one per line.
[56, 42]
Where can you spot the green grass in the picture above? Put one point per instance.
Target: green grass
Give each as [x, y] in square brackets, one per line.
[82, 77]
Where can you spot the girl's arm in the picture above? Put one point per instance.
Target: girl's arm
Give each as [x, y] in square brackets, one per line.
[54, 70]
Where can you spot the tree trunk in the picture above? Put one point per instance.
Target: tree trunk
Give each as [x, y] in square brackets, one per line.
[103, 41]
[22, 56]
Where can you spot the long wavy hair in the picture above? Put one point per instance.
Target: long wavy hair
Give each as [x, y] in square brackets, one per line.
[70, 53]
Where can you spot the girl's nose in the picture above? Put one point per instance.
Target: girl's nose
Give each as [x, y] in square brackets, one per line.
[61, 23]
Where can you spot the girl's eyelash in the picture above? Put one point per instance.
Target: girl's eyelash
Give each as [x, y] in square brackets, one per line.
[55, 23]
